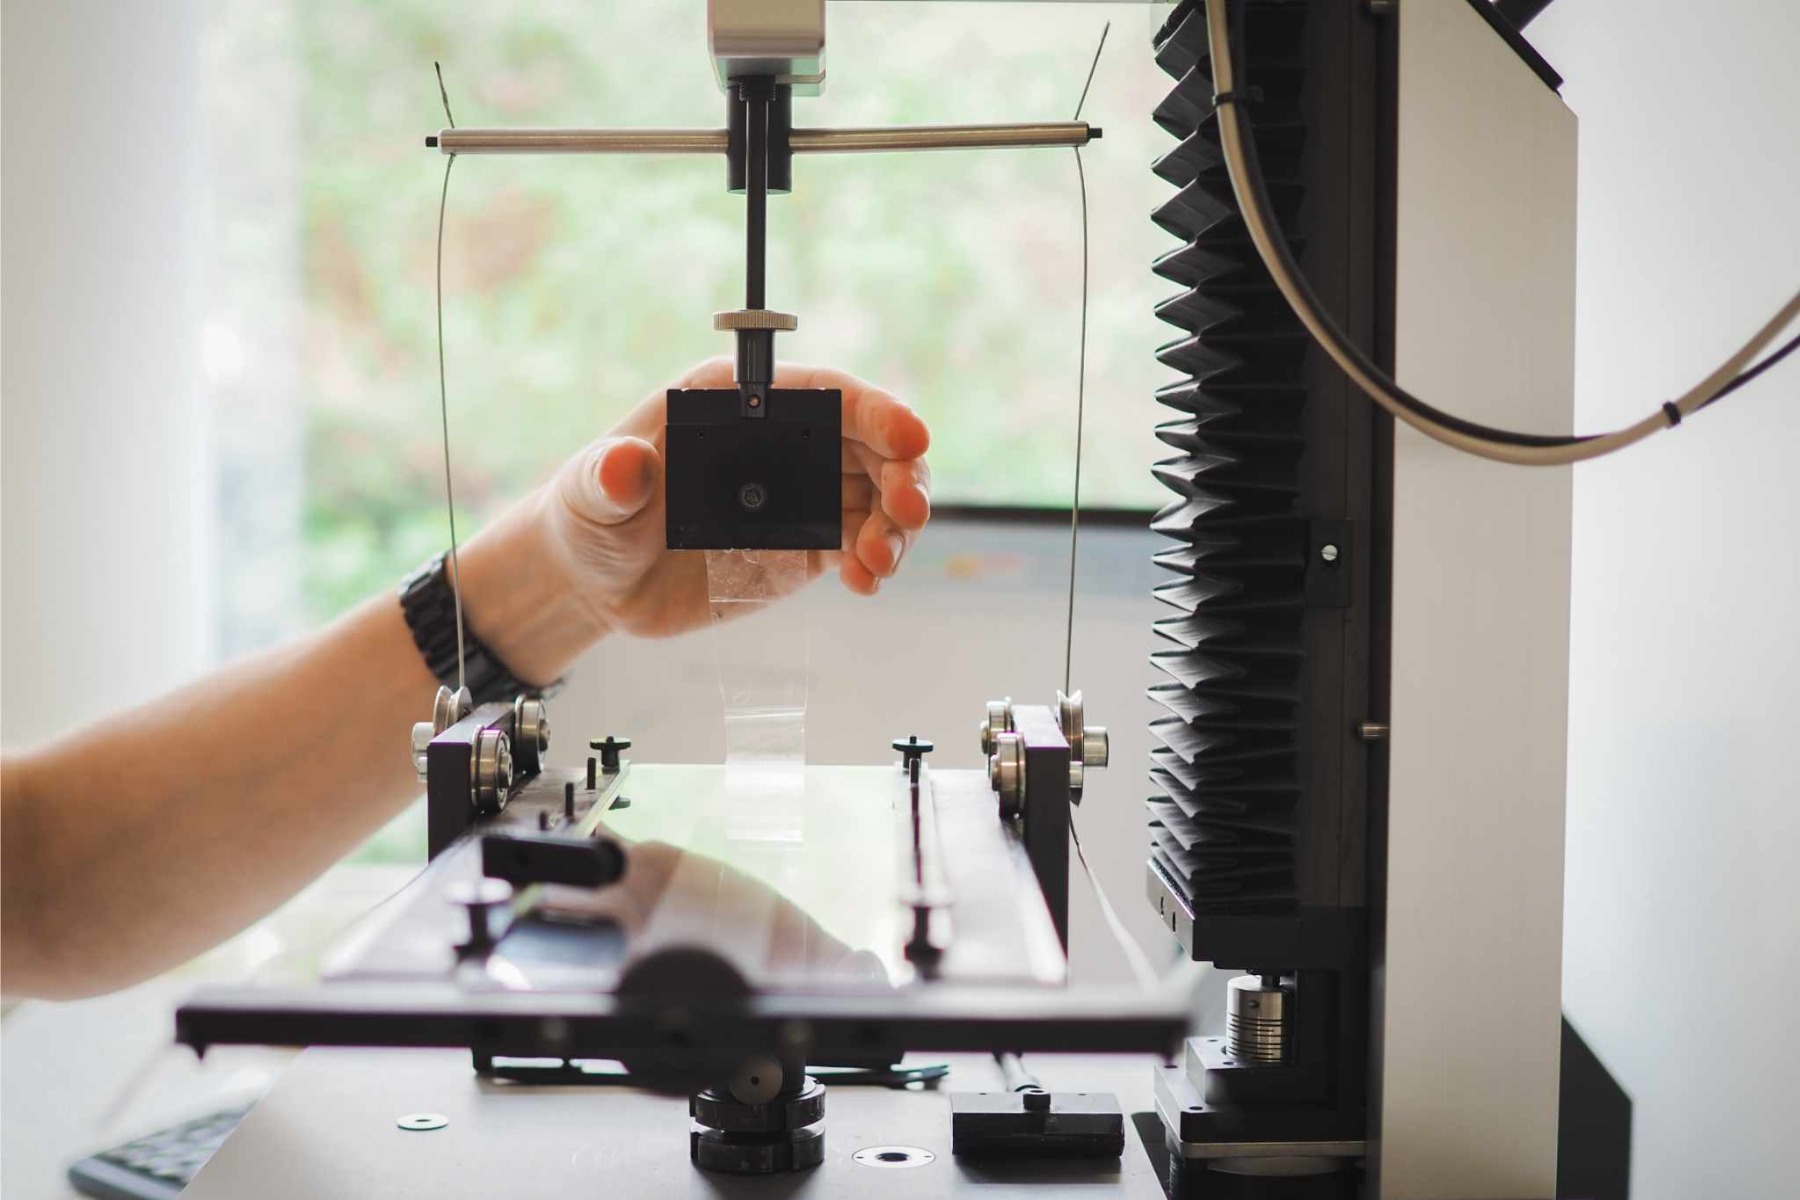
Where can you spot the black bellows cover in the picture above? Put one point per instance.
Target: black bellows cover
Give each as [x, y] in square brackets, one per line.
[1223, 821]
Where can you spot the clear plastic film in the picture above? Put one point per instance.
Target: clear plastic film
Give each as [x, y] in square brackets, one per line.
[762, 659]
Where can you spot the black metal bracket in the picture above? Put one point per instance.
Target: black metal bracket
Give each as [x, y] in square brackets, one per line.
[450, 775]
[1046, 807]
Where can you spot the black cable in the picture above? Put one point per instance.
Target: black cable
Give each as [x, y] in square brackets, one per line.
[1258, 195]
[1776, 356]
[1253, 198]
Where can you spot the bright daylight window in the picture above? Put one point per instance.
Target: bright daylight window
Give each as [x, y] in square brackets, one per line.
[574, 286]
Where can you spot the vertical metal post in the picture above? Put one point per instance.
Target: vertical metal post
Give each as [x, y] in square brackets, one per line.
[752, 101]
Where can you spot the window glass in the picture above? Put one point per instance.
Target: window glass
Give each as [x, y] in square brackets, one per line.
[574, 286]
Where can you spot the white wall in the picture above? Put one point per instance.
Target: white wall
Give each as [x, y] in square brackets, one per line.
[1682, 946]
[105, 487]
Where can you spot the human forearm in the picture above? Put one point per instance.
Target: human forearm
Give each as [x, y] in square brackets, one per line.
[155, 833]
[138, 842]
[152, 835]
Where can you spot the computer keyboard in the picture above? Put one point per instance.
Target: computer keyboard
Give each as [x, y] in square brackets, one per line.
[159, 1165]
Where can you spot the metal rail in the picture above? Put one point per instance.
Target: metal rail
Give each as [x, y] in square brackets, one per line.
[802, 141]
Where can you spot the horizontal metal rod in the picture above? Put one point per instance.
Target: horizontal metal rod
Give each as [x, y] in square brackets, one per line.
[803, 141]
[942, 137]
[579, 141]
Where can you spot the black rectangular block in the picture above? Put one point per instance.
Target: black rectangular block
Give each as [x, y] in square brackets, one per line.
[769, 482]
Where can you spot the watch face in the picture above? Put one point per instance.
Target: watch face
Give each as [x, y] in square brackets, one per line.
[765, 482]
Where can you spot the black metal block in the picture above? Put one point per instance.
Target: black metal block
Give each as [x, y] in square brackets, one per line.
[771, 483]
[1036, 1124]
[1046, 816]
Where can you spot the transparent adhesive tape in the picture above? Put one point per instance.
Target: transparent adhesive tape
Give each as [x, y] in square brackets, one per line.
[762, 659]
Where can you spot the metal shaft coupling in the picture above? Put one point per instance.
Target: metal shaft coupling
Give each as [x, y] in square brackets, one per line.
[1258, 1018]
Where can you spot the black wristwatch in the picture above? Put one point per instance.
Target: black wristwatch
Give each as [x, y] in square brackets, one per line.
[430, 609]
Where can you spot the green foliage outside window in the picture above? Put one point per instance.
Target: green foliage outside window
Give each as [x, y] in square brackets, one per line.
[574, 286]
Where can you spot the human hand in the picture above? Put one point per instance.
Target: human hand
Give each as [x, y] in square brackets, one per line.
[593, 536]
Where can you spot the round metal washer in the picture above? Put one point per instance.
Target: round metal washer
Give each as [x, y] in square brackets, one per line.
[894, 1158]
[422, 1122]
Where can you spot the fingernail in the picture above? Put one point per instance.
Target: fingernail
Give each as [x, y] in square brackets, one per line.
[630, 489]
[896, 547]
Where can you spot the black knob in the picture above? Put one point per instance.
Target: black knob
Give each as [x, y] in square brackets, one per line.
[609, 748]
[912, 749]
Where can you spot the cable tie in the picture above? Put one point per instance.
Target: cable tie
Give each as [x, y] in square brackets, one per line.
[1243, 95]
[1671, 411]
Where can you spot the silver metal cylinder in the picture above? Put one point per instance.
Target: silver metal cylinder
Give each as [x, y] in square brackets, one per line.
[581, 141]
[801, 141]
[940, 137]
[1257, 1019]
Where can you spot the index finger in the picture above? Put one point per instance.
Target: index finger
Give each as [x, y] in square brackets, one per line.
[876, 418]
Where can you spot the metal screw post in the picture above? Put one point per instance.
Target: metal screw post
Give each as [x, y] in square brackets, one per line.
[912, 748]
[609, 748]
[480, 897]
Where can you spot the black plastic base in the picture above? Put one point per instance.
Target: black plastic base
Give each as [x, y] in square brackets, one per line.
[1036, 1124]
[756, 1153]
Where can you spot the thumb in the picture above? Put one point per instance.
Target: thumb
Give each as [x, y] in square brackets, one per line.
[612, 480]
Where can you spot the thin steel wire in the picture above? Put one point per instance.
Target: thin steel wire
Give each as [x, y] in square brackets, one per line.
[444, 395]
[1080, 380]
[1139, 965]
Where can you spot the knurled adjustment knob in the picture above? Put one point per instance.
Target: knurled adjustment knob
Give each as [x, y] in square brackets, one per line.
[755, 318]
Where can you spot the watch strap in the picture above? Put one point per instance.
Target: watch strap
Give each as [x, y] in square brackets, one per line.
[429, 605]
